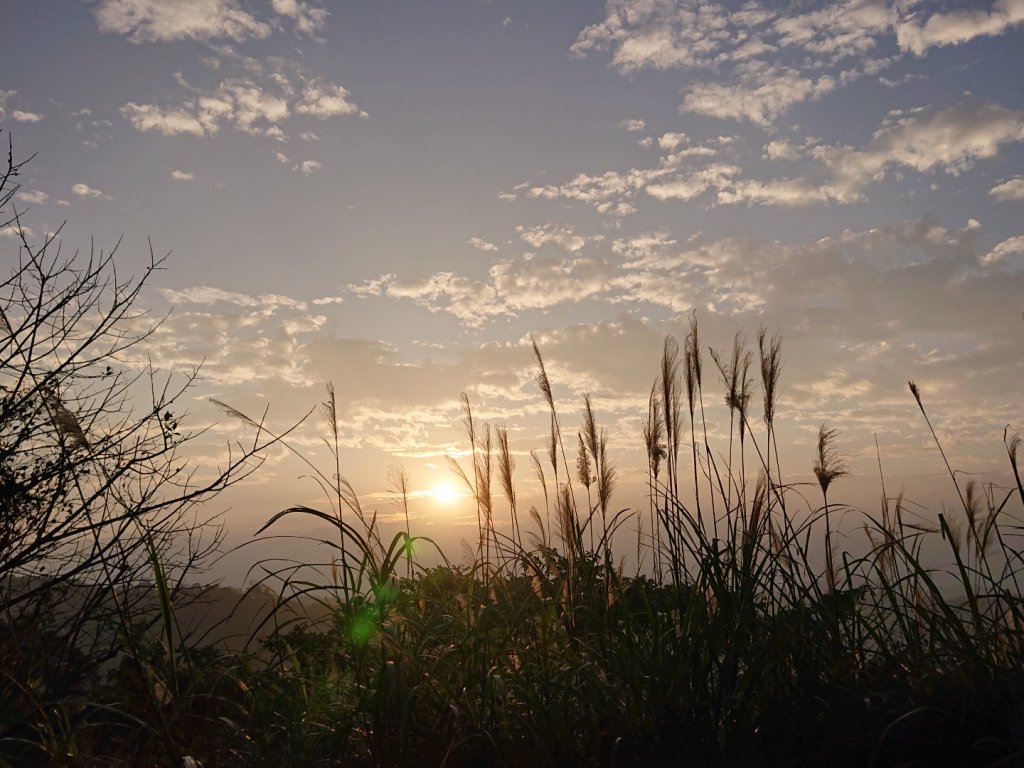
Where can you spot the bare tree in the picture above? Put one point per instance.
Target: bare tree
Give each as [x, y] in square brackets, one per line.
[99, 504]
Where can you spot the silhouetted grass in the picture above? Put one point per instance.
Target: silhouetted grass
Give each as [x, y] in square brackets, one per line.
[748, 637]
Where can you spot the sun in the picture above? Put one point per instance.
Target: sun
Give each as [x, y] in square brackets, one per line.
[443, 493]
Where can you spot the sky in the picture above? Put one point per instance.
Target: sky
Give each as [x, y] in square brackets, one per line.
[393, 196]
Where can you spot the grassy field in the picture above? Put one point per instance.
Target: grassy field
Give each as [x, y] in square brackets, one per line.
[749, 638]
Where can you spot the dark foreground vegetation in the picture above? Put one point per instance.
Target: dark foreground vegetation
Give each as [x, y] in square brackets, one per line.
[752, 634]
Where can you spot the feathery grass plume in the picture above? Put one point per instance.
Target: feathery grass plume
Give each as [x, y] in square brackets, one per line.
[770, 353]
[653, 441]
[828, 466]
[597, 444]
[585, 476]
[556, 445]
[583, 470]
[606, 477]
[758, 516]
[469, 427]
[506, 468]
[540, 539]
[691, 377]
[734, 376]
[538, 470]
[671, 402]
[569, 528]
[484, 475]
[543, 383]
[329, 418]
[398, 481]
[916, 392]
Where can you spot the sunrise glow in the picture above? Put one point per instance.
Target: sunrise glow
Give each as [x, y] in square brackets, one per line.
[443, 493]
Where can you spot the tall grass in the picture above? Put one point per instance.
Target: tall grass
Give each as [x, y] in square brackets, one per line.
[746, 633]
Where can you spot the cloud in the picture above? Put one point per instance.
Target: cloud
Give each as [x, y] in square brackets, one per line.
[308, 19]
[633, 125]
[1008, 190]
[182, 175]
[1007, 249]
[324, 100]
[174, 121]
[780, 149]
[670, 141]
[481, 244]
[562, 237]
[608, 193]
[693, 184]
[161, 21]
[307, 167]
[765, 57]
[244, 105]
[33, 197]
[950, 140]
[760, 96]
[512, 286]
[84, 190]
[917, 34]
[638, 249]
[19, 115]
[14, 232]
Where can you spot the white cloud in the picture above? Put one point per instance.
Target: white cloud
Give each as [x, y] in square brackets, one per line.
[169, 122]
[165, 21]
[691, 185]
[608, 193]
[182, 175]
[917, 34]
[777, 192]
[308, 136]
[670, 141]
[19, 115]
[767, 57]
[638, 249]
[245, 105]
[481, 244]
[84, 190]
[950, 140]
[633, 125]
[1013, 246]
[562, 237]
[781, 149]
[33, 197]
[760, 97]
[511, 287]
[208, 295]
[13, 232]
[308, 167]
[308, 19]
[1008, 190]
[326, 100]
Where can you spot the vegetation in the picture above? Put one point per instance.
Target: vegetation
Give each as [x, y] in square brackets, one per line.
[744, 636]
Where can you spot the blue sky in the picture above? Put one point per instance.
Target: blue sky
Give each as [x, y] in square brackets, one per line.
[393, 195]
